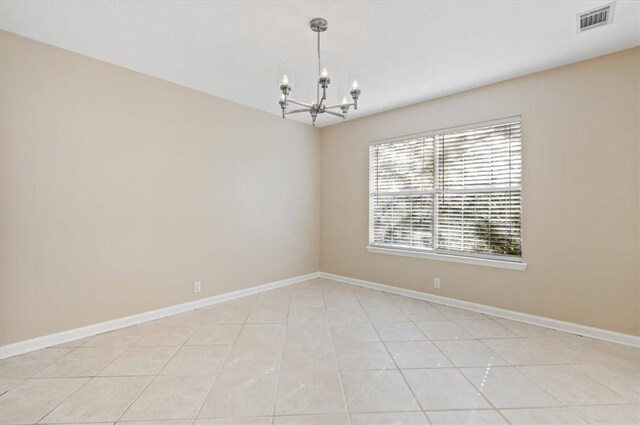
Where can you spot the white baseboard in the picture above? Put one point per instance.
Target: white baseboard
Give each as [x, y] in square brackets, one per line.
[45, 341]
[57, 338]
[559, 325]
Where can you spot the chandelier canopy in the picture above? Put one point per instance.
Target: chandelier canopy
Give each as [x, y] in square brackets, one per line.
[318, 25]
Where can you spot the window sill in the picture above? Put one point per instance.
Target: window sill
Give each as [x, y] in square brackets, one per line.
[511, 265]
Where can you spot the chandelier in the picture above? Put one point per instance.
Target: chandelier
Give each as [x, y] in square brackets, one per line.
[318, 25]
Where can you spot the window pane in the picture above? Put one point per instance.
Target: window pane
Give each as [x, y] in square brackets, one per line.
[487, 157]
[485, 223]
[403, 221]
[402, 166]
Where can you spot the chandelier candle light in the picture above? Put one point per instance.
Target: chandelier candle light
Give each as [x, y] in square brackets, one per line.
[318, 25]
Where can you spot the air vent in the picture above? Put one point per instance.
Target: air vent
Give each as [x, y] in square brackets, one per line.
[595, 17]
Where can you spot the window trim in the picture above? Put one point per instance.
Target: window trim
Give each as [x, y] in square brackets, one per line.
[489, 260]
[464, 127]
[439, 256]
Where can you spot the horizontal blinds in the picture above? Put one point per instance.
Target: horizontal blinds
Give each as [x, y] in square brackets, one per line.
[403, 220]
[403, 166]
[482, 157]
[479, 205]
[455, 191]
[485, 223]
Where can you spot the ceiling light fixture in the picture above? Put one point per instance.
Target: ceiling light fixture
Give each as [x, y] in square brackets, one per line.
[318, 25]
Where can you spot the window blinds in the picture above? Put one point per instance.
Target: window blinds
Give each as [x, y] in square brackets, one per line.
[451, 191]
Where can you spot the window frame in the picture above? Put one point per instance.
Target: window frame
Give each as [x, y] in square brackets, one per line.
[483, 259]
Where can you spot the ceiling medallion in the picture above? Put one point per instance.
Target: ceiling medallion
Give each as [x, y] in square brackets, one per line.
[318, 25]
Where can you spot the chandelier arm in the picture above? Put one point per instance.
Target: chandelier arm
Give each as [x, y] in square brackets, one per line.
[334, 113]
[339, 105]
[297, 111]
[306, 105]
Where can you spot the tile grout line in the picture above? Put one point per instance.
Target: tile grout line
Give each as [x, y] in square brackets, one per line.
[65, 399]
[163, 367]
[404, 379]
[124, 412]
[215, 379]
[469, 380]
[88, 379]
[286, 331]
[424, 413]
[339, 373]
[573, 366]
[564, 404]
[517, 367]
[494, 408]
[464, 376]
[32, 376]
[479, 391]
[486, 409]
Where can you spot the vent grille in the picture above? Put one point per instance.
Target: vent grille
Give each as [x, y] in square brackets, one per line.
[595, 18]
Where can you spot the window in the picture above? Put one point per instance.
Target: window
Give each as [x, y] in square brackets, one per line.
[453, 192]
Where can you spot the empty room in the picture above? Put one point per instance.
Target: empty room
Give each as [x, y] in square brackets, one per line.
[319, 212]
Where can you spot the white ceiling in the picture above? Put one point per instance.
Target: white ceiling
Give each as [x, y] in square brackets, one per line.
[400, 52]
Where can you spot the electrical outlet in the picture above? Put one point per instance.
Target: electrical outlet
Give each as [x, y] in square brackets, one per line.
[197, 287]
[436, 282]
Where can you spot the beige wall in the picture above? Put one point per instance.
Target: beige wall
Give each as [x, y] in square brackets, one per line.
[119, 190]
[581, 141]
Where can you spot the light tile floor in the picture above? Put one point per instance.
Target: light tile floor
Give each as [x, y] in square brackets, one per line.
[325, 353]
